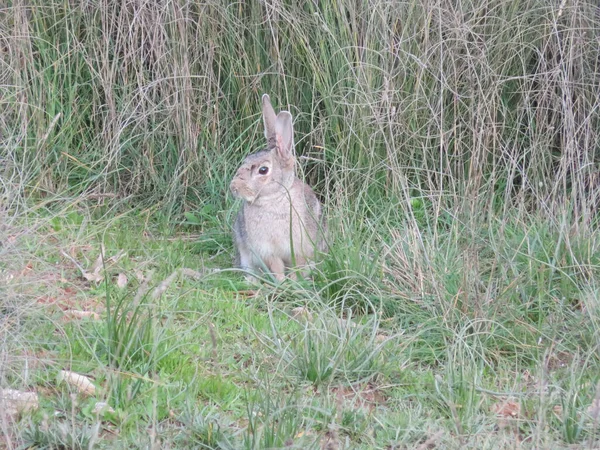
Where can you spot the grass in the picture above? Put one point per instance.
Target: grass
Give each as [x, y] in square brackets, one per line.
[212, 361]
[455, 148]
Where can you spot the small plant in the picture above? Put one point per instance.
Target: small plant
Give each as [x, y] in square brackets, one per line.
[60, 435]
[577, 407]
[205, 429]
[456, 387]
[329, 347]
[572, 418]
[354, 423]
[217, 388]
[276, 420]
[350, 276]
[131, 334]
[132, 340]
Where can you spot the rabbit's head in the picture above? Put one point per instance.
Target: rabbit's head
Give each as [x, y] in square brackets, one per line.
[268, 173]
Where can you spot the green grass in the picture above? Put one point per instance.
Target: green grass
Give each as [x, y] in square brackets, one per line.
[455, 148]
[210, 363]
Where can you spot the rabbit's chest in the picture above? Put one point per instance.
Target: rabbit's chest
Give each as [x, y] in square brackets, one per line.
[270, 231]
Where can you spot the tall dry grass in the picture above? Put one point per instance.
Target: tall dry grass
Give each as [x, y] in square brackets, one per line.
[482, 106]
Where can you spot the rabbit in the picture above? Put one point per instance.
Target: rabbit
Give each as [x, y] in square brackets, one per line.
[280, 222]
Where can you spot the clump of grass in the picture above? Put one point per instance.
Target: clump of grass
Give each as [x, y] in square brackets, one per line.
[60, 435]
[205, 429]
[325, 346]
[131, 342]
[277, 421]
[350, 275]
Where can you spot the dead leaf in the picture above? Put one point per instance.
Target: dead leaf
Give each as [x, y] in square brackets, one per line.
[14, 402]
[115, 259]
[379, 338]
[250, 293]
[95, 275]
[557, 410]
[101, 408]
[121, 281]
[431, 441]
[82, 383]
[594, 409]
[507, 412]
[75, 314]
[302, 312]
[99, 260]
[330, 440]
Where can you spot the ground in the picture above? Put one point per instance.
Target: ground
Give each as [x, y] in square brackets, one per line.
[182, 352]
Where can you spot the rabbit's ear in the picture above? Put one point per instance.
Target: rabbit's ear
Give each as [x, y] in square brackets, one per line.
[269, 118]
[284, 133]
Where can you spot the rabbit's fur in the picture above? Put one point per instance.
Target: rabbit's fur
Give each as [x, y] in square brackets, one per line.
[280, 222]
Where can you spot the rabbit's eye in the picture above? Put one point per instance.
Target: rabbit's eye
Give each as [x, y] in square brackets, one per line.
[263, 170]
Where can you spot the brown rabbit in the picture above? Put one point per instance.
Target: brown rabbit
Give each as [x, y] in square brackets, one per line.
[280, 222]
